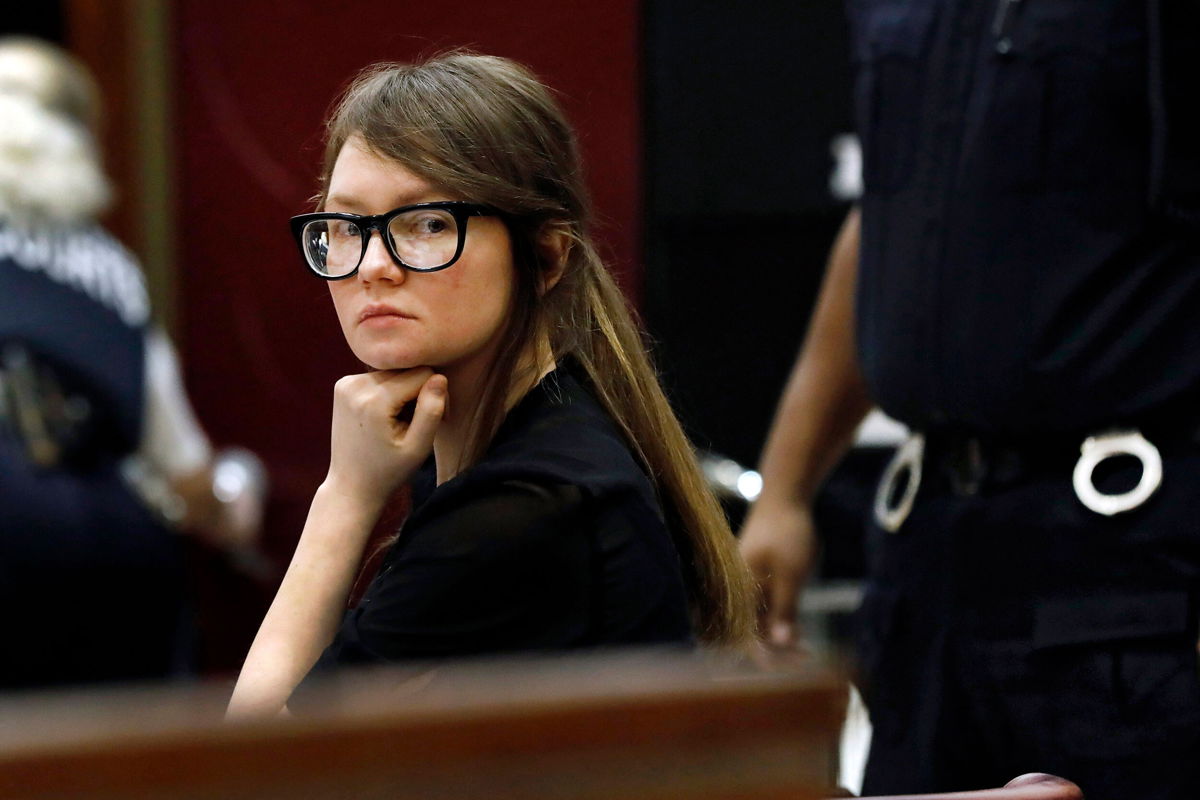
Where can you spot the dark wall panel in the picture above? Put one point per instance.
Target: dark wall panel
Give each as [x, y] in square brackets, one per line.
[743, 102]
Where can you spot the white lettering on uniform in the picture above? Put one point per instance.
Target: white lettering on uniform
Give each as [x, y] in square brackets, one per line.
[89, 261]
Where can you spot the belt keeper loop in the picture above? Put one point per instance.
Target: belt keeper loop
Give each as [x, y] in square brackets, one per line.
[968, 475]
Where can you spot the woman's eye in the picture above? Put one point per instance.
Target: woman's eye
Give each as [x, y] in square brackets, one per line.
[424, 225]
[344, 229]
[431, 225]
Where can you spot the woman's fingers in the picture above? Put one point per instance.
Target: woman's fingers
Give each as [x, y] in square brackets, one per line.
[427, 414]
[401, 396]
[395, 389]
[383, 428]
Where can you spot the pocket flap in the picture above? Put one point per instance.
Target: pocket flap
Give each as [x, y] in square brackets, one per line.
[1080, 27]
[891, 28]
[1109, 617]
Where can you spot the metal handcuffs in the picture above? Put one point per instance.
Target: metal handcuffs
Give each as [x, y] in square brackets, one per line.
[908, 458]
[1095, 450]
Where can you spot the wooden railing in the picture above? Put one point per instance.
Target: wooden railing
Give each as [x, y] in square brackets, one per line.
[620, 727]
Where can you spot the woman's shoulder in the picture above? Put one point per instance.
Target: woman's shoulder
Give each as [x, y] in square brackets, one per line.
[556, 452]
[560, 434]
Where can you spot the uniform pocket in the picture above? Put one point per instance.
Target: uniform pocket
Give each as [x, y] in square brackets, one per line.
[1065, 106]
[1106, 617]
[1122, 671]
[1087, 59]
[890, 41]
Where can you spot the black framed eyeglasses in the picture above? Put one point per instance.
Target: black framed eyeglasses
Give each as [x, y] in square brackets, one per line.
[424, 237]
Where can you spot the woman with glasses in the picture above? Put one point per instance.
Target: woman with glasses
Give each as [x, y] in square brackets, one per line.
[562, 507]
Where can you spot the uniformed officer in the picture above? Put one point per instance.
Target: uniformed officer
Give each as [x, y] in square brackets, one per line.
[100, 455]
[1020, 287]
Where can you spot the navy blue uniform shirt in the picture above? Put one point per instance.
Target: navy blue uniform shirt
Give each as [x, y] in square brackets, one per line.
[91, 583]
[75, 298]
[1030, 256]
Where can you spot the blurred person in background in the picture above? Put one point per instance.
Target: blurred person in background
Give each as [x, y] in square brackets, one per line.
[102, 463]
[1020, 287]
[557, 503]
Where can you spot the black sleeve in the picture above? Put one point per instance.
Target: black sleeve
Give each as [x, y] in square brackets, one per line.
[506, 570]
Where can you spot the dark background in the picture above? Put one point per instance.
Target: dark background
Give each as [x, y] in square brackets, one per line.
[741, 106]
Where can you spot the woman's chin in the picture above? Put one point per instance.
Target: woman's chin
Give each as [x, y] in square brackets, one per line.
[386, 361]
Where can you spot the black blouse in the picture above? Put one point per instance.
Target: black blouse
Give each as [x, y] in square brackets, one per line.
[555, 540]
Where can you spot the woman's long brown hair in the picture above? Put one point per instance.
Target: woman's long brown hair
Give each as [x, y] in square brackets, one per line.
[487, 130]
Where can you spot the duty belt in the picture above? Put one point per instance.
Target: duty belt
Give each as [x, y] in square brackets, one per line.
[968, 462]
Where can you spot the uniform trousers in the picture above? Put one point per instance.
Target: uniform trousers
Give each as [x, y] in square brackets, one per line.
[92, 587]
[1006, 629]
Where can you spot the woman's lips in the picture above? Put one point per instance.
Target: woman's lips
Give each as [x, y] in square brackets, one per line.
[381, 315]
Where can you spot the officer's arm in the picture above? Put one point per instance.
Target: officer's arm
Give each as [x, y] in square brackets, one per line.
[217, 496]
[822, 405]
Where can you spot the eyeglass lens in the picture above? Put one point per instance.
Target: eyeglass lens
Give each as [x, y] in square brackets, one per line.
[423, 238]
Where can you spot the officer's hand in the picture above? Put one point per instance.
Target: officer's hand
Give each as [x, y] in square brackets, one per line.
[383, 428]
[224, 503]
[778, 544]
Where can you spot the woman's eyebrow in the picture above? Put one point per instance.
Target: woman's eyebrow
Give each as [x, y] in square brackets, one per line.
[356, 206]
[342, 201]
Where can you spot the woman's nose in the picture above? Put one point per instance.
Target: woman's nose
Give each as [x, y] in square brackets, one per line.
[377, 263]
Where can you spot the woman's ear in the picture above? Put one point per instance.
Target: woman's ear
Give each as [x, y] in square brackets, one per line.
[554, 246]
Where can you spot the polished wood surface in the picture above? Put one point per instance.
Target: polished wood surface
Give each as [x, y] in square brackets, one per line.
[640, 725]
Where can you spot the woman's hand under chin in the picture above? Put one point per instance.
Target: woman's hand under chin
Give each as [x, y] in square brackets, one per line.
[383, 428]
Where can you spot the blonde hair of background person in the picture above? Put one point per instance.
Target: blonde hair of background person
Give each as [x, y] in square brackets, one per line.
[50, 169]
[485, 129]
